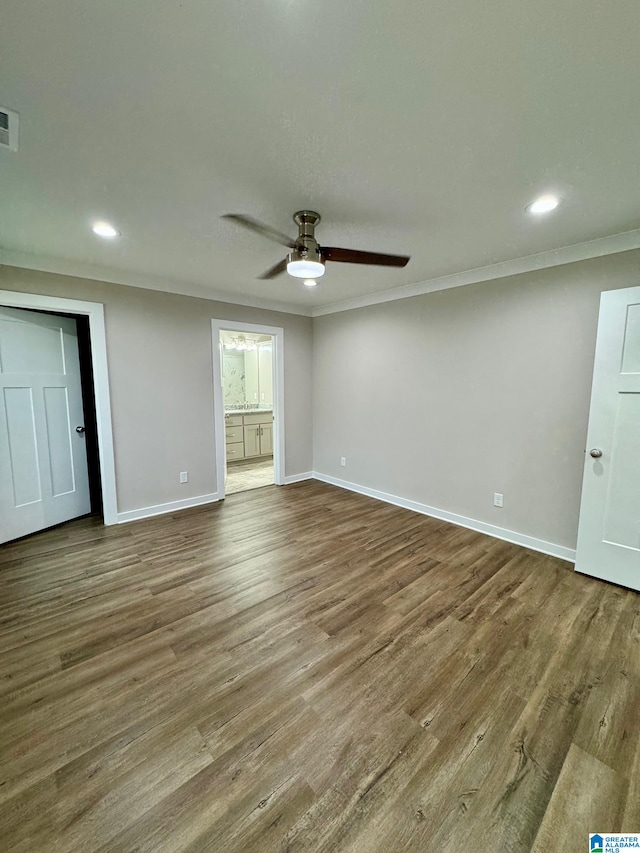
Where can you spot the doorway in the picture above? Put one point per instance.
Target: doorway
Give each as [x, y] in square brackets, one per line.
[48, 444]
[92, 338]
[248, 371]
[247, 382]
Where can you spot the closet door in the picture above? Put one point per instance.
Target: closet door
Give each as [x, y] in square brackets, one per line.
[43, 459]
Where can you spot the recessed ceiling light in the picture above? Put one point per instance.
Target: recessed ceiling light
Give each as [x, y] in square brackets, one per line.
[104, 229]
[544, 204]
[310, 282]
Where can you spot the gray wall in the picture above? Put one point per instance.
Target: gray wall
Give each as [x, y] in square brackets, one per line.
[160, 374]
[441, 399]
[448, 397]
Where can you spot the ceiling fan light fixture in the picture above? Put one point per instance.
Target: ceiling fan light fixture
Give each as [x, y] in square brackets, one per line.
[304, 267]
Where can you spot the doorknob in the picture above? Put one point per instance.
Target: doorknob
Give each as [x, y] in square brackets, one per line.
[80, 429]
[596, 453]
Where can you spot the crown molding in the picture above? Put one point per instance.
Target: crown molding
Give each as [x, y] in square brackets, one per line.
[200, 291]
[611, 245]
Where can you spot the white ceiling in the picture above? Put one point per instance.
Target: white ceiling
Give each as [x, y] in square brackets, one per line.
[418, 127]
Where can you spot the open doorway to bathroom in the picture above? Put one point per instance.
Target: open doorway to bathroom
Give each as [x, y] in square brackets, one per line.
[224, 420]
[247, 384]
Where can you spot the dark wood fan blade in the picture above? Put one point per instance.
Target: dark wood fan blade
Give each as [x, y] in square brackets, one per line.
[275, 270]
[354, 256]
[260, 228]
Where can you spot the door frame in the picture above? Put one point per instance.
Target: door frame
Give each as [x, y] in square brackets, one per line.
[95, 312]
[277, 333]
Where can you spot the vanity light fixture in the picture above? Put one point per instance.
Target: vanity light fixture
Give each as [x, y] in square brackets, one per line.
[241, 343]
[105, 229]
[543, 204]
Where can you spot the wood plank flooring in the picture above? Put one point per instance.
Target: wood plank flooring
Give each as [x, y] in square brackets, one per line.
[306, 669]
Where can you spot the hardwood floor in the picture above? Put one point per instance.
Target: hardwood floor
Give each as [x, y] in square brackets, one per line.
[306, 669]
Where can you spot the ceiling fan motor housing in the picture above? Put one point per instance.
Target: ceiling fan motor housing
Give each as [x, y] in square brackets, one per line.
[306, 220]
[306, 252]
[306, 248]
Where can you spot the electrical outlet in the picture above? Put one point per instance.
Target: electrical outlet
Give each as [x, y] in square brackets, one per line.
[184, 476]
[343, 461]
[498, 499]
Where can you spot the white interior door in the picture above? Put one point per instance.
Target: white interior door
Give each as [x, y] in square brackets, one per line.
[609, 531]
[43, 459]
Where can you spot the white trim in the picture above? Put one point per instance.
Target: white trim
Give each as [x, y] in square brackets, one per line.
[542, 260]
[162, 509]
[480, 526]
[79, 269]
[95, 312]
[277, 333]
[298, 478]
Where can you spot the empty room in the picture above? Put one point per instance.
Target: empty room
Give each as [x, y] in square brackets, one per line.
[319, 427]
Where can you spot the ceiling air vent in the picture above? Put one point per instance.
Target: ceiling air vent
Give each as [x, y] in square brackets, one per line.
[8, 129]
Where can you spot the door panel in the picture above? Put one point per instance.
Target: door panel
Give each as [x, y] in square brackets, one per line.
[30, 347]
[56, 410]
[609, 531]
[43, 460]
[266, 439]
[623, 495]
[22, 446]
[631, 346]
[252, 441]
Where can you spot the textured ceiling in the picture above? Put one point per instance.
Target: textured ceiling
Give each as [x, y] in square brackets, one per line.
[412, 127]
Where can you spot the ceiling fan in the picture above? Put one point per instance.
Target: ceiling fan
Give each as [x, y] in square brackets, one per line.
[307, 258]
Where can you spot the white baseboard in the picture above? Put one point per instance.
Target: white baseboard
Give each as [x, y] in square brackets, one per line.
[480, 526]
[297, 478]
[473, 524]
[174, 506]
[161, 509]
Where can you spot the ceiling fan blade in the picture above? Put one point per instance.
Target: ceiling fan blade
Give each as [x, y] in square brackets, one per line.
[260, 228]
[354, 256]
[275, 270]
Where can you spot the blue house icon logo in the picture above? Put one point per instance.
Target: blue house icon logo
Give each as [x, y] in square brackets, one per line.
[595, 843]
